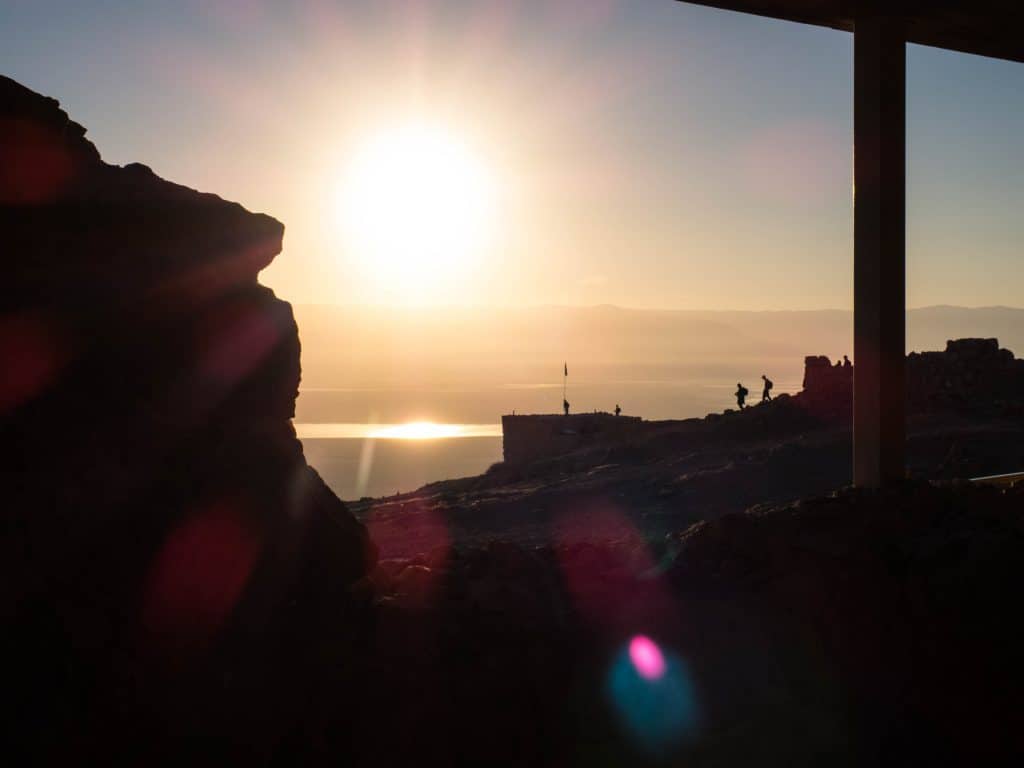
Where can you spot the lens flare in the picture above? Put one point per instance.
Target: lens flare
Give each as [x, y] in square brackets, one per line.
[652, 695]
[199, 575]
[31, 357]
[646, 657]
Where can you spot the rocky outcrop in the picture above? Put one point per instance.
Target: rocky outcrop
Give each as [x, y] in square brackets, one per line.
[159, 511]
[970, 375]
[827, 388]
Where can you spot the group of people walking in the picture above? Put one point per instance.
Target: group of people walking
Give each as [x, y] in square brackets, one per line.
[741, 396]
[742, 392]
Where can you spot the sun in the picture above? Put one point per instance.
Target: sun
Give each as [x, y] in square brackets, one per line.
[416, 208]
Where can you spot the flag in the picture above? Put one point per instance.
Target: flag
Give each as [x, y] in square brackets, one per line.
[566, 369]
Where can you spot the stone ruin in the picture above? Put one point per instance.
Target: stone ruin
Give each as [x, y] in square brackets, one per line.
[828, 388]
[969, 375]
[531, 437]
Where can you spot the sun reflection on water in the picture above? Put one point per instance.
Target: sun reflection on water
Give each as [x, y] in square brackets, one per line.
[418, 430]
[413, 430]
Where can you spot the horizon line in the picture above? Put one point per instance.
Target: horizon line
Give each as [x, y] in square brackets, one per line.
[620, 307]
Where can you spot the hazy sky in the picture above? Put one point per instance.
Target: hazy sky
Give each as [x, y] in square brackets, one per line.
[642, 152]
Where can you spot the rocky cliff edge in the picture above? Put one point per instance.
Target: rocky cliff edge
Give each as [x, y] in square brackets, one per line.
[159, 513]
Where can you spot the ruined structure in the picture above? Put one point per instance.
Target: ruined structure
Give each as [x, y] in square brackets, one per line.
[969, 375]
[827, 388]
[531, 437]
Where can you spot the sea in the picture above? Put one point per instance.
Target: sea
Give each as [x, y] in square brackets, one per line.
[380, 441]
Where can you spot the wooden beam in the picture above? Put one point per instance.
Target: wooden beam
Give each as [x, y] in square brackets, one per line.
[879, 294]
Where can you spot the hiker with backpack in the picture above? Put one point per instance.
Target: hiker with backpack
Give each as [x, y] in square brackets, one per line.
[741, 395]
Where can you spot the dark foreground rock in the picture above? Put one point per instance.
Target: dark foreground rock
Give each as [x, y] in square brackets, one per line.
[851, 629]
[166, 550]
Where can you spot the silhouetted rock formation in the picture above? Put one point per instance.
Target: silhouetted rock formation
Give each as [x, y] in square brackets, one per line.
[159, 512]
[827, 389]
[970, 375]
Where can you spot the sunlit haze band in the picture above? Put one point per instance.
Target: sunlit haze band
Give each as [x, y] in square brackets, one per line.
[416, 430]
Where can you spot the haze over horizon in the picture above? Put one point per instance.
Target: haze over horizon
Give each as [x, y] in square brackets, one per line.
[397, 364]
[612, 305]
[653, 155]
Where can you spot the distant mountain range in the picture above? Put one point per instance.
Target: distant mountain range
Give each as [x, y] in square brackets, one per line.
[353, 346]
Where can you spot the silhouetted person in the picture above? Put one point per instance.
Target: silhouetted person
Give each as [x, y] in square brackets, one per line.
[565, 407]
[846, 362]
[741, 395]
[617, 409]
[766, 395]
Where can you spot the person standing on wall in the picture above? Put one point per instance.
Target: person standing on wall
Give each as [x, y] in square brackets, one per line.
[565, 381]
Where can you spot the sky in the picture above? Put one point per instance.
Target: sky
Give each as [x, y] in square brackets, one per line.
[643, 153]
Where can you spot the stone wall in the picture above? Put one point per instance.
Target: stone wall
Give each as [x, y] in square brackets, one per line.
[531, 437]
[822, 378]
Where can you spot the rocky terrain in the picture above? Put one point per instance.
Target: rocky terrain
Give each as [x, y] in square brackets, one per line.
[966, 419]
[179, 587]
[852, 628]
[798, 624]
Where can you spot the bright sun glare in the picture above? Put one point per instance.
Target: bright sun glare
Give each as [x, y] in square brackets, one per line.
[418, 430]
[416, 207]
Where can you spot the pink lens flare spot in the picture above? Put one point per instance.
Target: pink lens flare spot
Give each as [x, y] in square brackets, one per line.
[199, 575]
[646, 657]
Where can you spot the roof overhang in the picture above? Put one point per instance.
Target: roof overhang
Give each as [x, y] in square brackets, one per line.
[984, 27]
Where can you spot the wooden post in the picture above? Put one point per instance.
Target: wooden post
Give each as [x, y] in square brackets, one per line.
[879, 293]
